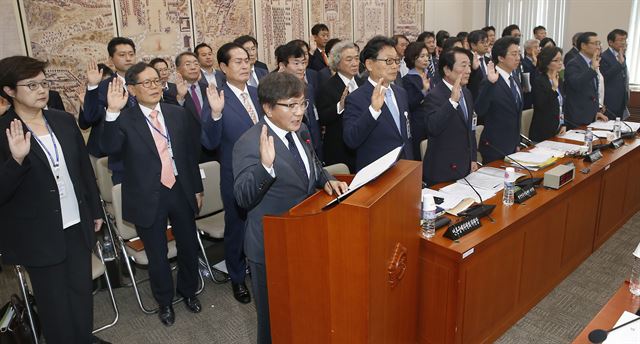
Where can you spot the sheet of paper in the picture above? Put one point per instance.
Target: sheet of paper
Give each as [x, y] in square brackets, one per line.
[559, 146]
[552, 152]
[450, 201]
[375, 169]
[484, 181]
[578, 135]
[465, 191]
[609, 125]
[532, 158]
[628, 334]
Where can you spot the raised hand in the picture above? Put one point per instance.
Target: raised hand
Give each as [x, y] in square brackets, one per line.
[116, 97]
[555, 81]
[426, 83]
[476, 61]
[19, 142]
[456, 89]
[621, 56]
[94, 75]
[81, 91]
[344, 96]
[492, 73]
[216, 100]
[181, 86]
[267, 148]
[595, 60]
[377, 97]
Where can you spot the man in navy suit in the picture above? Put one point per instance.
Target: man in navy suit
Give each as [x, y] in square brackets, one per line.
[574, 49]
[531, 50]
[206, 58]
[319, 59]
[450, 121]
[581, 105]
[234, 110]
[479, 43]
[169, 89]
[376, 114]
[258, 69]
[616, 75]
[161, 182]
[429, 39]
[499, 104]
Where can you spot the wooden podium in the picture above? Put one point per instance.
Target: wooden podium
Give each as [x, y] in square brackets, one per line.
[348, 274]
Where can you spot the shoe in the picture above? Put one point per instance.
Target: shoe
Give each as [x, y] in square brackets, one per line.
[167, 315]
[240, 292]
[193, 304]
[98, 340]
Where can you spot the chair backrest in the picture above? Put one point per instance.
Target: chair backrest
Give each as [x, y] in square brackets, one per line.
[423, 148]
[103, 176]
[212, 202]
[525, 122]
[337, 169]
[125, 229]
[479, 130]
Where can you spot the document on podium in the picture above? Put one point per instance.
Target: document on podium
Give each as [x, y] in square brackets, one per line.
[369, 173]
[628, 334]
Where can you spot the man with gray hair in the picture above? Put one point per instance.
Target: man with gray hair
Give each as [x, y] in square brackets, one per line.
[531, 50]
[574, 50]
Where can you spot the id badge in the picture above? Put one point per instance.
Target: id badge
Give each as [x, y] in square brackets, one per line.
[406, 116]
[474, 121]
[62, 188]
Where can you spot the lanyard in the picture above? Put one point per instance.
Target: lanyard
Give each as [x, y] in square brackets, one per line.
[167, 137]
[56, 162]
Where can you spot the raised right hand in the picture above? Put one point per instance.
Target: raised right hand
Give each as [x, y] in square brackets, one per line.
[456, 89]
[267, 148]
[216, 100]
[116, 96]
[555, 81]
[377, 97]
[19, 142]
[94, 76]
[181, 86]
[595, 61]
[344, 96]
[492, 73]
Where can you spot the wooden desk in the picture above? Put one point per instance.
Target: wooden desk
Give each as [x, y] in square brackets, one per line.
[474, 289]
[621, 301]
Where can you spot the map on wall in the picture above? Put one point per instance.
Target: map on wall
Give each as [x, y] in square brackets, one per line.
[371, 18]
[159, 28]
[408, 18]
[278, 22]
[67, 34]
[221, 21]
[336, 14]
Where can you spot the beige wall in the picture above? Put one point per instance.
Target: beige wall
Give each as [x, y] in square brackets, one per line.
[599, 16]
[454, 15]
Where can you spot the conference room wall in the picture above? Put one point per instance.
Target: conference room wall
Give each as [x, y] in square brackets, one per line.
[595, 15]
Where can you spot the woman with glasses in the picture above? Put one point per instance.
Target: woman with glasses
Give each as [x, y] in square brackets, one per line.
[49, 202]
[417, 84]
[548, 97]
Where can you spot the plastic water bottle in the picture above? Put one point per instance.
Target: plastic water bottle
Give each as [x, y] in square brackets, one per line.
[634, 280]
[428, 217]
[617, 128]
[509, 186]
[108, 251]
[588, 140]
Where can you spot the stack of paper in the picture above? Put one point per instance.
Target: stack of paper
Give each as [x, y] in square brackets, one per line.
[532, 160]
[609, 125]
[487, 178]
[578, 135]
[559, 146]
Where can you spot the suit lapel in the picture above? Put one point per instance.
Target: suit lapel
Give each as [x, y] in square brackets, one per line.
[310, 161]
[142, 127]
[507, 90]
[237, 108]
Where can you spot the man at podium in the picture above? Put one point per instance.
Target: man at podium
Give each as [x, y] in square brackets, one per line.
[274, 168]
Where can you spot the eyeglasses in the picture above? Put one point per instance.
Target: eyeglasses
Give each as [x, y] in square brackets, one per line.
[295, 107]
[390, 61]
[148, 83]
[35, 84]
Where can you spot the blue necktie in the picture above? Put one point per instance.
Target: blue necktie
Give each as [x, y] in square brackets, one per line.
[482, 67]
[514, 91]
[388, 99]
[132, 101]
[596, 83]
[296, 156]
[463, 105]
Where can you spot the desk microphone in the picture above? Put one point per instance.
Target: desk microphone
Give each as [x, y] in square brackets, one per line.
[528, 182]
[318, 163]
[623, 135]
[479, 210]
[600, 335]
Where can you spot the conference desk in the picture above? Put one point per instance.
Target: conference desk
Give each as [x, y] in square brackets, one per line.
[474, 289]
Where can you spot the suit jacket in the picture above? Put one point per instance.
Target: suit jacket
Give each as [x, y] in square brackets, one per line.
[372, 138]
[260, 64]
[528, 67]
[501, 117]
[198, 141]
[435, 78]
[546, 110]
[221, 79]
[312, 122]
[170, 94]
[261, 194]
[312, 78]
[581, 104]
[570, 55]
[452, 138]
[31, 233]
[55, 101]
[334, 148]
[90, 116]
[130, 136]
[413, 85]
[316, 62]
[476, 77]
[260, 72]
[616, 85]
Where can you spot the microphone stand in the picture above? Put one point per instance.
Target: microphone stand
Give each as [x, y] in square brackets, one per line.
[318, 163]
[478, 210]
[528, 182]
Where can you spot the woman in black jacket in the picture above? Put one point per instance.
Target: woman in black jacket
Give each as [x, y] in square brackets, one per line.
[49, 202]
[417, 84]
[548, 117]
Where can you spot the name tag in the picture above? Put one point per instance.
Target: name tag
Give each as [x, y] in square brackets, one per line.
[474, 121]
[406, 116]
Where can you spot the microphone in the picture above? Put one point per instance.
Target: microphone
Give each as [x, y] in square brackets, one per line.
[623, 135]
[318, 163]
[600, 335]
[478, 210]
[526, 141]
[528, 182]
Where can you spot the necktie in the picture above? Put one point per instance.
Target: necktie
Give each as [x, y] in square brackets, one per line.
[463, 105]
[324, 58]
[247, 105]
[131, 102]
[388, 99]
[514, 92]
[196, 100]
[296, 156]
[252, 79]
[352, 85]
[482, 66]
[596, 84]
[167, 178]
[431, 68]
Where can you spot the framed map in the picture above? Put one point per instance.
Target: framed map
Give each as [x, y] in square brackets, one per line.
[336, 14]
[408, 18]
[371, 18]
[278, 22]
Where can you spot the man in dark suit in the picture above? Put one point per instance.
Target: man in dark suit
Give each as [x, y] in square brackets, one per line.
[450, 120]
[574, 49]
[192, 95]
[258, 69]
[479, 43]
[528, 65]
[616, 75]
[582, 106]
[240, 111]
[89, 107]
[499, 104]
[274, 170]
[206, 59]
[319, 58]
[429, 39]
[331, 102]
[376, 114]
[161, 182]
[169, 89]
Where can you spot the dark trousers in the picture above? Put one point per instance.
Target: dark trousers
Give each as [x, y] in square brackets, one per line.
[63, 293]
[234, 219]
[261, 297]
[175, 208]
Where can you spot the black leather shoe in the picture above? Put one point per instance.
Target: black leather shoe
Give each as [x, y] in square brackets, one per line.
[241, 293]
[193, 304]
[167, 315]
[98, 340]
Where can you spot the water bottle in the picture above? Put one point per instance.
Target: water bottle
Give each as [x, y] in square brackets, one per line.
[588, 140]
[634, 280]
[108, 252]
[428, 217]
[617, 128]
[509, 186]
